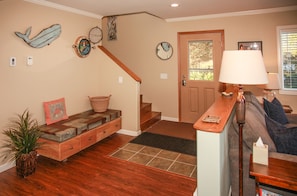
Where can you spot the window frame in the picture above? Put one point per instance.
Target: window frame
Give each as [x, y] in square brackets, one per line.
[279, 56]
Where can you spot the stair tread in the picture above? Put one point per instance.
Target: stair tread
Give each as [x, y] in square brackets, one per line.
[143, 105]
[149, 115]
[148, 119]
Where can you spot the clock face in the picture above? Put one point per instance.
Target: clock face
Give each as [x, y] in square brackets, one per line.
[164, 50]
[95, 35]
[83, 47]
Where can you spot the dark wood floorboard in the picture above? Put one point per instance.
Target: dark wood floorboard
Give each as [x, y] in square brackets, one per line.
[93, 172]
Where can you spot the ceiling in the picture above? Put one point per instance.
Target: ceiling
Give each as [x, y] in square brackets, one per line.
[162, 9]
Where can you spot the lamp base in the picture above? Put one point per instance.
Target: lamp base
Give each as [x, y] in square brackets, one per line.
[269, 95]
[240, 107]
[240, 117]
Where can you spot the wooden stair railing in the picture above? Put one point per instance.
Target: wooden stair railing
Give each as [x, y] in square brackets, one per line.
[121, 64]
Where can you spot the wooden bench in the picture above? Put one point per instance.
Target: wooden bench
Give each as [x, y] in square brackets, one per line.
[68, 137]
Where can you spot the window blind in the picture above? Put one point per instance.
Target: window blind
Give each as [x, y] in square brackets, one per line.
[288, 56]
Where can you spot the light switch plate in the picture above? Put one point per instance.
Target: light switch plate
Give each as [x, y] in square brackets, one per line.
[29, 60]
[120, 79]
[12, 61]
[164, 76]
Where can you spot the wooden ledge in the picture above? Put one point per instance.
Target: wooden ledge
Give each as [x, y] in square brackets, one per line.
[222, 108]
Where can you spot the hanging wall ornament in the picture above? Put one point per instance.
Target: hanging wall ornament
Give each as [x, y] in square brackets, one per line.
[112, 28]
[44, 38]
[82, 46]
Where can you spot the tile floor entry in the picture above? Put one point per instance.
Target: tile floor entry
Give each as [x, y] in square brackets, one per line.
[170, 161]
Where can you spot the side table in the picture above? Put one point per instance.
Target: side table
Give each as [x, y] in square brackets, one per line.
[287, 109]
[278, 173]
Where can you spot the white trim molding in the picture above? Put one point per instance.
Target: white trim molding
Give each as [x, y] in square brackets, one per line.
[231, 14]
[129, 132]
[169, 118]
[7, 166]
[64, 8]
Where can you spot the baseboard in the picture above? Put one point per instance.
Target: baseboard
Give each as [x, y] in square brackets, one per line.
[196, 192]
[129, 132]
[169, 118]
[7, 166]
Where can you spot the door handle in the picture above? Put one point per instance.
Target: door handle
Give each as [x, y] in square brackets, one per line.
[184, 82]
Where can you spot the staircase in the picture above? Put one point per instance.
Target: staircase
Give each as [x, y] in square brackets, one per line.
[147, 116]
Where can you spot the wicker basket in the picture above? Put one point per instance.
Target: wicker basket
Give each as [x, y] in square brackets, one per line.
[99, 103]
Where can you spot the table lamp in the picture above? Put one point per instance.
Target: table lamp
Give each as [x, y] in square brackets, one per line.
[242, 67]
[273, 84]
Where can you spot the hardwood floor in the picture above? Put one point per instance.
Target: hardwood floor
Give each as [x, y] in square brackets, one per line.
[93, 172]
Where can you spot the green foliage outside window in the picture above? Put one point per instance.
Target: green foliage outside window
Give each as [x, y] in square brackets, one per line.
[201, 60]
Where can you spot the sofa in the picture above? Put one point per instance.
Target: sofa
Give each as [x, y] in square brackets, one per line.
[254, 127]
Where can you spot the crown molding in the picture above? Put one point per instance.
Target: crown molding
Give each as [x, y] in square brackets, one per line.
[64, 8]
[232, 14]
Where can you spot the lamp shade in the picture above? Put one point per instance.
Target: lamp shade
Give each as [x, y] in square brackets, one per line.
[273, 82]
[245, 67]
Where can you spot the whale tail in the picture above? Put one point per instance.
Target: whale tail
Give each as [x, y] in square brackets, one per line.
[25, 36]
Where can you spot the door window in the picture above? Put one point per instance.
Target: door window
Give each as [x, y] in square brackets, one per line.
[200, 64]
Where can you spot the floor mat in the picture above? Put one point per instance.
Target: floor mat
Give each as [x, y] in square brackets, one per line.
[170, 161]
[175, 144]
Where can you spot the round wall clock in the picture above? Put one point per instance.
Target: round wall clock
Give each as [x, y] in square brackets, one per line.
[82, 46]
[164, 50]
[95, 35]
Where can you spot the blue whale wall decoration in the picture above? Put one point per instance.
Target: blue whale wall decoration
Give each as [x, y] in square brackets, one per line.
[45, 37]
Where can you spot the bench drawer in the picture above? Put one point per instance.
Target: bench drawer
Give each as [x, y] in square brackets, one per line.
[70, 147]
[108, 129]
[89, 138]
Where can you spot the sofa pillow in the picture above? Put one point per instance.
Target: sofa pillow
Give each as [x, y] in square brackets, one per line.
[275, 111]
[285, 139]
[55, 111]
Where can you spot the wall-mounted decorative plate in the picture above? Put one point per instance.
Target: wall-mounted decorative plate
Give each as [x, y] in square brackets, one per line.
[95, 35]
[82, 46]
[164, 50]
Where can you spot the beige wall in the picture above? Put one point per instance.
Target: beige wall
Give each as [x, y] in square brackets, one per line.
[139, 34]
[57, 71]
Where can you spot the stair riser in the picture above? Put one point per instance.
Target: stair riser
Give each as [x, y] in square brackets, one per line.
[147, 116]
[150, 122]
[146, 109]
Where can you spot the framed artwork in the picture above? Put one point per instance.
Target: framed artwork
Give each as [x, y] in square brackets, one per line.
[250, 45]
[112, 27]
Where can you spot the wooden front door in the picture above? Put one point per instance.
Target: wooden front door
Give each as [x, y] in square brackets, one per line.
[200, 55]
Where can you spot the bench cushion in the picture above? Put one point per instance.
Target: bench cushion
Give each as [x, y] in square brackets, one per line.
[77, 124]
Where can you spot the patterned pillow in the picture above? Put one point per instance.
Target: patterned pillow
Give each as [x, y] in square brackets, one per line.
[55, 111]
[285, 139]
[275, 111]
